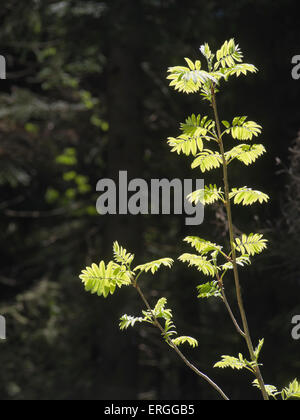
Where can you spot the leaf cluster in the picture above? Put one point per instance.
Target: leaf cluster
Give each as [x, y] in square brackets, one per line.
[164, 315]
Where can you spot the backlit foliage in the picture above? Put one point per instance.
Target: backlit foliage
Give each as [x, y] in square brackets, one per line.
[201, 137]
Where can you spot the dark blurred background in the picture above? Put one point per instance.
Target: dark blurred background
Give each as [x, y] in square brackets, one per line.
[86, 95]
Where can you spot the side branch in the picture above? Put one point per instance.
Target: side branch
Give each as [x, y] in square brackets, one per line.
[180, 354]
[233, 251]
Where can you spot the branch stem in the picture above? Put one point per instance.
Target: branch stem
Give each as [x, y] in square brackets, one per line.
[239, 330]
[247, 335]
[179, 353]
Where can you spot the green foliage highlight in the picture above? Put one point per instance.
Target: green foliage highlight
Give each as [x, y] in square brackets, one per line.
[259, 348]
[210, 289]
[178, 341]
[186, 144]
[207, 160]
[121, 255]
[245, 153]
[127, 321]
[201, 245]
[207, 195]
[291, 391]
[204, 265]
[241, 261]
[246, 196]
[68, 157]
[228, 55]
[271, 389]
[197, 126]
[238, 69]
[251, 244]
[228, 63]
[196, 133]
[103, 280]
[153, 266]
[189, 79]
[241, 129]
[160, 312]
[237, 363]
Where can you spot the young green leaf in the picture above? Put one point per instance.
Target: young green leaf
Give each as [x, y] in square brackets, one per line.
[205, 50]
[153, 266]
[201, 245]
[251, 244]
[235, 363]
[186, 144]
[228, 55]
[242, 261]
[208, 290]
[121, 255]
[238, 69]
[208, 195]
[178, 341]
[243, 130]
[103, 280]
[258, 348]
[271, 389]
[160, 311]
[127, 321]
[200, 262]
[188, 81]
[207, 160]
[246, 196]
[245, 153]
[197, 126]
[291, 391]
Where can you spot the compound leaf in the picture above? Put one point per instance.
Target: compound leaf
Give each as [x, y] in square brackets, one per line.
[271, 389]
[208, 290]
[153, 266]
[207, 160]
[200, 262]
[186, 144]
[188, 80]
[178, 341]
[102, 279]
[251, 244]
[243, 130]
[291, 391]
[127, 321]
[228, 55]
[234, 363]
[121, 255]
[246, 196]
[245, 153]
[201, 245]
[207, 195]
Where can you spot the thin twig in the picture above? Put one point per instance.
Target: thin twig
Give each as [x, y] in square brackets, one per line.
[239, 330]
[233, 251]
[173, 345]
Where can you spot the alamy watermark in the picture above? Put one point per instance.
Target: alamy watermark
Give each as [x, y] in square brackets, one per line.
[296, 68]
[2, 328]
[2, 67]
[155, 198]
[296, 329]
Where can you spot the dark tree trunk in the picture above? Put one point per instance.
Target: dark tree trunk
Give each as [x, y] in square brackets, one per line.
[125, 149]
[117, 371]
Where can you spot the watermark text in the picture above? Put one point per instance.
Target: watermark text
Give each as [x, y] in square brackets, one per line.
[161, 196]
[2, 67]
[296, 329]
[296, 68]
[2, 328]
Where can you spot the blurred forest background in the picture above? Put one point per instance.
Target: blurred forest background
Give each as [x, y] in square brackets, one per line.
[86, 95]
